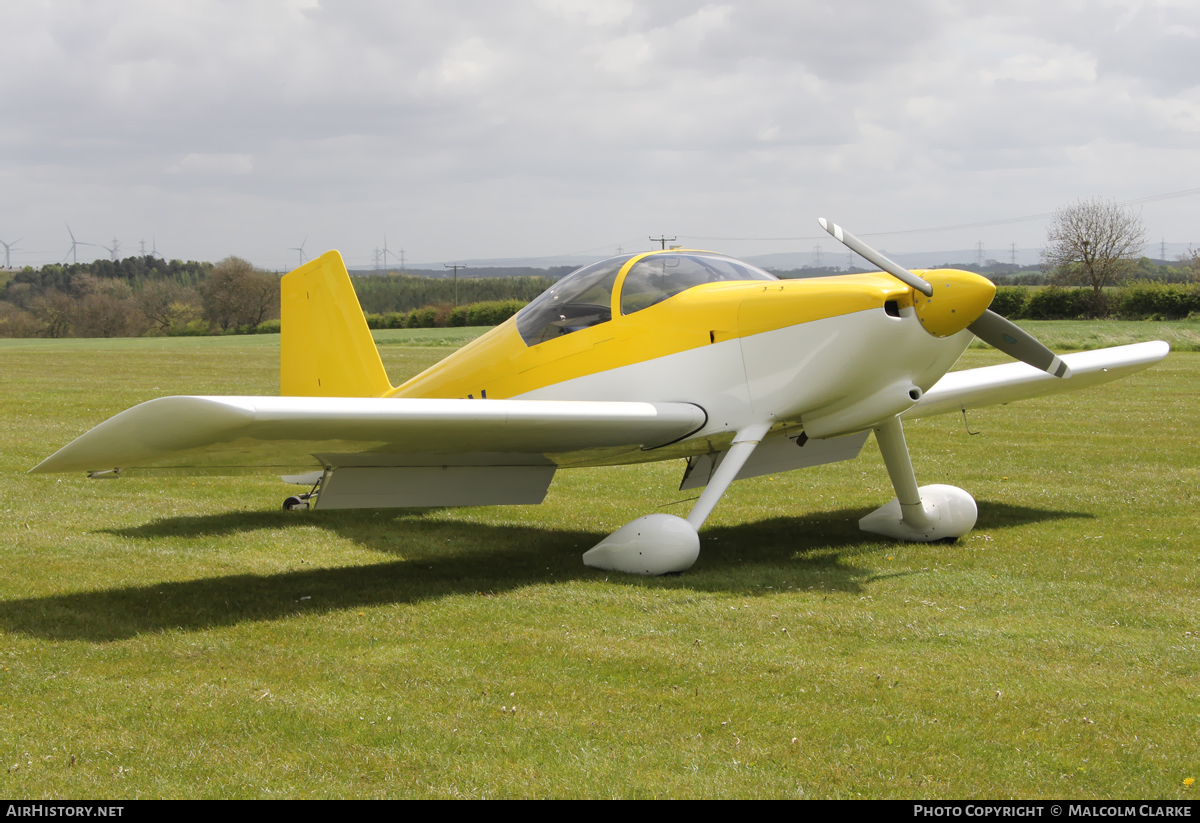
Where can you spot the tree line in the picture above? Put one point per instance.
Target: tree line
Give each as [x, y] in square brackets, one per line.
[137, 296]
[1093, 244]
[405, 293]
[149, 296]
[1133, 300]
[1144, 270]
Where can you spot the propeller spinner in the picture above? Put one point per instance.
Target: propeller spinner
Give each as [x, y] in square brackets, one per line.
[993, 329]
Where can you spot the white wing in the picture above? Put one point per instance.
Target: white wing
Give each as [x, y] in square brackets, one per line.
[232, 435]
[1017, 381]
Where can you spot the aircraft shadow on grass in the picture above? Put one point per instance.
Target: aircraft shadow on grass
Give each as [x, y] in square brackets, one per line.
[818, 551]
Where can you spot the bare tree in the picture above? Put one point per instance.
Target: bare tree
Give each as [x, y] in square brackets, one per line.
[16, 322]
[56, 311]
[168, 306]
[260, 297]
[237, 294]
[1093, 243]
[1190, 263]
[105, 308]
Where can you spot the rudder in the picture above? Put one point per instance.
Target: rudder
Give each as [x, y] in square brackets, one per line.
[326, 349]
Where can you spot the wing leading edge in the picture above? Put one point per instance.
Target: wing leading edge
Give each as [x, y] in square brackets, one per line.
[233, 435]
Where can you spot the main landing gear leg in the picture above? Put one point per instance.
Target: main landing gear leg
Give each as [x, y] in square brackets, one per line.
[663, 543]
[923, 514]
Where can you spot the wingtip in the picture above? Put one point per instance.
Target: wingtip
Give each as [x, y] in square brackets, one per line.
[49, 465]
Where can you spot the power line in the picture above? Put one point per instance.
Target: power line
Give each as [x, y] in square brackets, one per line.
[456, 267]
[959, 226]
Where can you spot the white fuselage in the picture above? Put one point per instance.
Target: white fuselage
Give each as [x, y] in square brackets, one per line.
[832, 371]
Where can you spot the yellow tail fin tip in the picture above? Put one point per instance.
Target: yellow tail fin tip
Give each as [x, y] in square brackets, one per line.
[326, 349]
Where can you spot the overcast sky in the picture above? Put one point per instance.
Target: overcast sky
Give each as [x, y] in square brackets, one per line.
[494, 129]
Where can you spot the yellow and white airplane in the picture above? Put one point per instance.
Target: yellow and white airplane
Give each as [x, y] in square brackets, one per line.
[665, 355]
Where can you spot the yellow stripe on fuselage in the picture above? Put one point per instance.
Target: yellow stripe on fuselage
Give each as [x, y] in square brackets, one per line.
[500, 364]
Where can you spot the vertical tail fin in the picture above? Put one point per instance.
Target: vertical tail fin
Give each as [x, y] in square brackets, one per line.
[326, 349]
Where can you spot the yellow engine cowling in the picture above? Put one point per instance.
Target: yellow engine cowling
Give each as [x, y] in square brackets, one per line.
[959, 298]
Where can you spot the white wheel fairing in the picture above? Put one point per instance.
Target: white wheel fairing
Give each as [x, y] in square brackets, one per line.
[950, 510]
[651, 545]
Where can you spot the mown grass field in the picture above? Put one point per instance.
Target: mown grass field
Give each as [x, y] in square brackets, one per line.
[1074, 335]
[185, 638]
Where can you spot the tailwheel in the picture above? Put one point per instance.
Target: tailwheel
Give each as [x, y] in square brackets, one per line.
[300, 502]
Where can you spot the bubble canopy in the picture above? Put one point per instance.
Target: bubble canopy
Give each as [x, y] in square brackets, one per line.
[584, 298]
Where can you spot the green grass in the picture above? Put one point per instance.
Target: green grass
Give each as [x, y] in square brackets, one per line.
[1067, 335]
[183, 638]
[412, 338]
[428, 337]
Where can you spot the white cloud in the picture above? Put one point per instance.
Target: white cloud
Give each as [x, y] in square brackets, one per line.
[494, 128]
[213, 165]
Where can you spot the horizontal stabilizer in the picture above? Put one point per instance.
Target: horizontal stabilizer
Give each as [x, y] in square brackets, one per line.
[994, 385]
[390, 487]
[230, 435]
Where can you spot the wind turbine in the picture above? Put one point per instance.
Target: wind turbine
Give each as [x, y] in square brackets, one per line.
[154, 252]
[116, 248]
[300, 249]
[385, 251]
[71, 251]
[9, 247]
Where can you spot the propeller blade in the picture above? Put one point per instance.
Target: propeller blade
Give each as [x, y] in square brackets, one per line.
[989, 327]
[863, 250]
[1008, 337]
